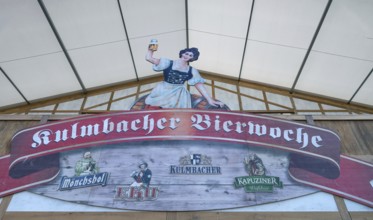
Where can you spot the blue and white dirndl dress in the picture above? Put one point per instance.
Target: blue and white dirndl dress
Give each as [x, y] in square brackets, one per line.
[172, 93]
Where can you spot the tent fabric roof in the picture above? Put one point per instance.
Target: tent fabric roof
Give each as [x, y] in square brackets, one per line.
[51, 47]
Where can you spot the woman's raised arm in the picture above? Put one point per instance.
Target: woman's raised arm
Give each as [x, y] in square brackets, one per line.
[149, 57]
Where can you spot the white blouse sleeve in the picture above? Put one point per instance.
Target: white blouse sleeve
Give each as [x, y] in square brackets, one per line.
[163, 64]
[197, 78]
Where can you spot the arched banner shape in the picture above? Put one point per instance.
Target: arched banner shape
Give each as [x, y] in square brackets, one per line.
[315, 157]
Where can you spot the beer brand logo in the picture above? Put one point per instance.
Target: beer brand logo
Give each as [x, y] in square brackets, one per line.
[140, 189]
[86, 175]
[257, 181]
[68, 183]
[195, 164]
[132, 193]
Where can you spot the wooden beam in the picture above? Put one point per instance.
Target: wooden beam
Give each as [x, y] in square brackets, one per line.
[179, 215]
[4, 205]
[6, 117]
[341, 205]
[214, 77]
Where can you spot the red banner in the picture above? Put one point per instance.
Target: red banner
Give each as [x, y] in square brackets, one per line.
[315, 152]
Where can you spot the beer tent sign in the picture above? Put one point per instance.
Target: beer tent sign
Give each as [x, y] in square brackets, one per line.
[193, 159]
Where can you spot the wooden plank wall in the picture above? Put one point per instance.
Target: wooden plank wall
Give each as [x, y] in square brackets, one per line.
[356, 136]
[357, 141]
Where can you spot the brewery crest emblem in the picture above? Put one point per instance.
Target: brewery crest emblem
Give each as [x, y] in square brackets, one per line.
[257, 180]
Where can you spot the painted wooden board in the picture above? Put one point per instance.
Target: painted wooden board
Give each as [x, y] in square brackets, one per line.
[183, 191]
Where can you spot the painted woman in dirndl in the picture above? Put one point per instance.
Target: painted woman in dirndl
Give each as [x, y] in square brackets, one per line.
[171, 92]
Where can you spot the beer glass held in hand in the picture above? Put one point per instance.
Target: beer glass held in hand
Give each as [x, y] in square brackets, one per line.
[153, 45]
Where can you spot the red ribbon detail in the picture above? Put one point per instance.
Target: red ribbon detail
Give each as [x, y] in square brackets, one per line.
[314, 152]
